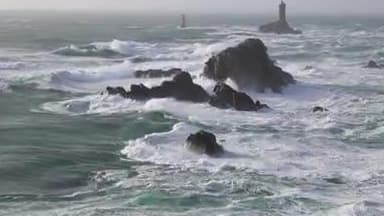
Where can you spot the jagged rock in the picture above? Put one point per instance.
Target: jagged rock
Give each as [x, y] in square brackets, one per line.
[373, 64]
[249, 66]
[281, 26]
[183, 88]
[157, 73]
[226, 97]
[180, 88]
[116, 91]
[319, 109]
[139, 92]
[204, 142]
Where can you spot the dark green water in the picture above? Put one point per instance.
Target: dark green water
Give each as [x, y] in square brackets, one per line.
[51, 153]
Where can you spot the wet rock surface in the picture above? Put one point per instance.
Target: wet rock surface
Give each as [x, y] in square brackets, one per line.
[249, 66]
[204, 142]
[181, 87]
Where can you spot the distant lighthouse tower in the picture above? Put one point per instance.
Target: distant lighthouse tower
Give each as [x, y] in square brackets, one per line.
[280, 26]
[282, 12]
[183, 21]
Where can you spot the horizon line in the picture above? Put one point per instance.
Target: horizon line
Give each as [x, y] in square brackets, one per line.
[178, 12]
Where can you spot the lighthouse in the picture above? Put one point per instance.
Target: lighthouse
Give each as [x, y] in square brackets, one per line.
[282, 12]
[183, 21]
[280, 26]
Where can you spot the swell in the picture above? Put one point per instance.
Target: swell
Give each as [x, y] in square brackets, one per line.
[87, 51]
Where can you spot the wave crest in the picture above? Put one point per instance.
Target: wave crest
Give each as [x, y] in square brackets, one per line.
[113, 49]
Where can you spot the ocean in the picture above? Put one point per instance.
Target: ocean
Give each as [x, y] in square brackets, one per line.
[68, 149]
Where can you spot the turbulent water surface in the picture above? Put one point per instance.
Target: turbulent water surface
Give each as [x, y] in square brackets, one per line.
[65, 149]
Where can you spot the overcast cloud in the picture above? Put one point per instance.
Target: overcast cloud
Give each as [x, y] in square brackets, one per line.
[206, 6]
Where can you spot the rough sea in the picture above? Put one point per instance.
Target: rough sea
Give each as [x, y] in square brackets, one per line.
[66, 149]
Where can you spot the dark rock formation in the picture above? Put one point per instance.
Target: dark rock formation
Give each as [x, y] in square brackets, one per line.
[156, 73]
[335, 180]
[249, 66]
[319, 109]
[204, 143]
[180, 88]
[281, 26]
[373, 64]
[226, 97]
[116, 91]
[139, 92]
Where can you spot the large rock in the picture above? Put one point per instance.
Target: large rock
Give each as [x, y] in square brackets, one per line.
[249, 66]
[157, 73]
[226, 97]
[279, 27]
[180, 88]
[204, 142]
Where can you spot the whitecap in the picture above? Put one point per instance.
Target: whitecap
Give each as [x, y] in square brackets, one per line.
[12, 65]
[4, 86]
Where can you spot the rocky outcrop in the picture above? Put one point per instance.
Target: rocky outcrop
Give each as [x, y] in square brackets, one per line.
[181, 88]
[279, 27]
[249, 66]
[374, 65]
[319, 109]
[204, 142]
[157, 73]
[226, 97]
[116, 91]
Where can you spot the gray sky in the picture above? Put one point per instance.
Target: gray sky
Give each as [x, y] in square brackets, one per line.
[234, 6]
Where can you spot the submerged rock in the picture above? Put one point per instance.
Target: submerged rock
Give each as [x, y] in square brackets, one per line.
[157, 73]
[204, 142]
[308, 67]
[281, 26]
[249, 66]
[335, 180]
[373, 64]
[226, 97]
[319, 109]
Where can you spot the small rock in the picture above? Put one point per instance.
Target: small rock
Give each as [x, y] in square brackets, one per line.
[319, 109]
[226, 97]
[204, 142]
[373, 64]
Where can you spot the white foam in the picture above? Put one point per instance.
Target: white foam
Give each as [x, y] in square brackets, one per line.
[264, 153]
[4, 87]
[93, 104]
[12, 65]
